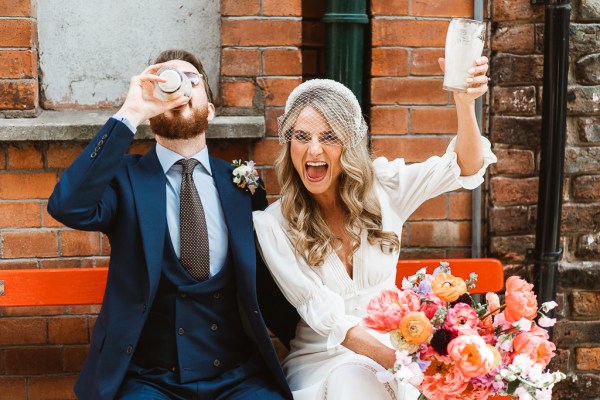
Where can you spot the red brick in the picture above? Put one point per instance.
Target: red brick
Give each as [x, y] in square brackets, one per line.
[440, 234]
[460, 205]
[425, 62]
[289, 8]
[311, 62]
[514, 162]
[15, 8]
[277, 90]
[85, 309]
[587, 359]
[407, 91]
[514, 38]
[511, 10]
[61, 155]
[260, 33]
[282, 62]
[140, 147]
[67, 330]
[586, 187]
[95, 262]
[389, 62]
[20, 215]
[432, 209]
[18, 331]
[238, 62]
[459, 253]
[266, 151]
[105, 246]
[411, 33]
[313, 33]
[29, 244]
[24, 156]
[229, 150]
[433, 120]
[313, 8]
[13, 388]
[514, 191]
[18, 64]
[61, 263]
[48, 221]
[389, 120]
[18, 95]
[416, 253]
[387, 7]
[17, 33]
[74, 357]
[2, 158]
[17, 264]
[585, 305]
[411, 149]
[271, 183]
[452, 8]
[240, 7]
[33, 360]
[271, 115]
[52, 387]
[35, 311]
[237, 93]
[79, 243]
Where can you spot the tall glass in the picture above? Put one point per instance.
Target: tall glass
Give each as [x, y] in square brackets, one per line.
[464, 44]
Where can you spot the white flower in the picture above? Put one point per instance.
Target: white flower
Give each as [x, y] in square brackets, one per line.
[505, 342]
[384, 376]
[523, 394]
[549, 305]
[546, 322]
[543, 394]
[524, 325]
[245, 175]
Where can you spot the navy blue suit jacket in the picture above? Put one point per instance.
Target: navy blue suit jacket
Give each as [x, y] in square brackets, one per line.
[124, 197]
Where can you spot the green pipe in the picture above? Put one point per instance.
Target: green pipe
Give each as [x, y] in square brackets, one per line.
[346, 20]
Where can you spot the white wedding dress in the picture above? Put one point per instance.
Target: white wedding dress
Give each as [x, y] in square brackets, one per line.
[330, 302]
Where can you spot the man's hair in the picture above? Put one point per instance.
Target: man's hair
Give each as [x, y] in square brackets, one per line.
[177, 54]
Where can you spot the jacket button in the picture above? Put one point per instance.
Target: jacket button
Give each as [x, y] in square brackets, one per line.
[217, 363]
[181, 331]
[129, 349]
[216, 295]
[214, 327]
[173, 369]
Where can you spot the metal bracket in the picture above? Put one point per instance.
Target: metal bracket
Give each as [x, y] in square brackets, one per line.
[548, 257]
[1, 288]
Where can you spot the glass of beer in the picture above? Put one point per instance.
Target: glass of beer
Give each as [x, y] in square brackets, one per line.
[464, 44]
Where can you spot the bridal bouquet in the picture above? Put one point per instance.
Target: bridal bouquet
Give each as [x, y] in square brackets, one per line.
[450, 347]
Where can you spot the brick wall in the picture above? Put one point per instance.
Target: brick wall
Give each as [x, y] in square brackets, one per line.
[412, 117]
[515, 128]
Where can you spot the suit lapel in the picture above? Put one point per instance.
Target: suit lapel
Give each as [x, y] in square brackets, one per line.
[237, 208]
[149, 191]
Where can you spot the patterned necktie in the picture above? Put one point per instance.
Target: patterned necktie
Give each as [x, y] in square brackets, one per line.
[193, 233]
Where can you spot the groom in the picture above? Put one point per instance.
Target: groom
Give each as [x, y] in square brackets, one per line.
[180, 318]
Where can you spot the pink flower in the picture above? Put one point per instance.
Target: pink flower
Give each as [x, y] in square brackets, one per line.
[461, 319]
[432, 304]
[535, 345]
[386, 310]
[520, 300]
[471, 355]
[493, 302]
[443, 382]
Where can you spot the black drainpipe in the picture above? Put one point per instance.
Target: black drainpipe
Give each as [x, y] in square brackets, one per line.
[547, 251]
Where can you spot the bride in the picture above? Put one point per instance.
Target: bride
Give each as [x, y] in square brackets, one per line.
[332, 241]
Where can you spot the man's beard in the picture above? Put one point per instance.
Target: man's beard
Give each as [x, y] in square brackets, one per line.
[179, 127]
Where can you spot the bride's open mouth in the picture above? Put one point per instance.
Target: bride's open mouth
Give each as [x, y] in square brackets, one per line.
[316, 170]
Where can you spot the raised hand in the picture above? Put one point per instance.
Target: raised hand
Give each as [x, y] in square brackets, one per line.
[477, 80]
[140, 103]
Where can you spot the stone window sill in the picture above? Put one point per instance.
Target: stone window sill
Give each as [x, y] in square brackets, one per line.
[82, 125]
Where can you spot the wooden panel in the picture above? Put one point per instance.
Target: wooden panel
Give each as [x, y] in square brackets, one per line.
[61, 286]
[489, 270]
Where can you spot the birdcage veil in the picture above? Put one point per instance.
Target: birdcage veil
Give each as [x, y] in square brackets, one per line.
[335, 102]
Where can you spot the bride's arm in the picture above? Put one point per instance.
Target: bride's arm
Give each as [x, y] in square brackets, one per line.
[360, 341]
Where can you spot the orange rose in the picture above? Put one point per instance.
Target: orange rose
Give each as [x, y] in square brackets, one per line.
[520, 300]
[416, 327]
[535, 344]
[448, 287]
[471, 355]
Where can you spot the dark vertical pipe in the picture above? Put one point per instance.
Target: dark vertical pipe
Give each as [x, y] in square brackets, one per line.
[556, 65]
[476, 193]
[346, 20]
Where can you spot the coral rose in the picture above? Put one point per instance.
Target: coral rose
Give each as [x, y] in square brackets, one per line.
[442, 382]
[448, 287]
[386, 310]
[520, 300]
[535, 345]
[416, 327]
[431, 304]
[471, 355]
[461, 319]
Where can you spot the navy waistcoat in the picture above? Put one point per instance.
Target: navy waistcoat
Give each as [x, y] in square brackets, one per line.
[193, 327]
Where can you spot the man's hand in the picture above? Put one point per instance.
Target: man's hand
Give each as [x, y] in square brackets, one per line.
[140, 103]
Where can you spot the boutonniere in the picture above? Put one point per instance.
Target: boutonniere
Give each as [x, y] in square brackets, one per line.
[245, 176]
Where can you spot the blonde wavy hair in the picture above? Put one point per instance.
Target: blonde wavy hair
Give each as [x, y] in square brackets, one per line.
[308, 230]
